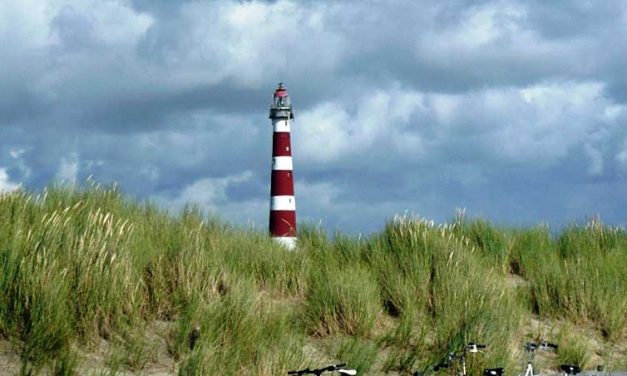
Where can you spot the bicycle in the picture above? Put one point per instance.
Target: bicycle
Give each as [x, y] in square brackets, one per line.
[460, 357]
[319, 371]
[531, 348]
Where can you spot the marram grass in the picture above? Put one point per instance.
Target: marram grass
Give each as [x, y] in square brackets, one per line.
[82, 266]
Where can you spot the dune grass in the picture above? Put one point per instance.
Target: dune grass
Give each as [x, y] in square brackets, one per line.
[80, 265]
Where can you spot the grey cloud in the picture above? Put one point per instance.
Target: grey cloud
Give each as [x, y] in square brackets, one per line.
[574, 19]
[172, 105]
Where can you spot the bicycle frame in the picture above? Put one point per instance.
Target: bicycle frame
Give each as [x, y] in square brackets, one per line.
[530, 348]
[461, 358]
[529, 369]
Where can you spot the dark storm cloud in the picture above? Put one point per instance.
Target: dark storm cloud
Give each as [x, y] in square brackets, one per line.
[151, 110]
[514, 110]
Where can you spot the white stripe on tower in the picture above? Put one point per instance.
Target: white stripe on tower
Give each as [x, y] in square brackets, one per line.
[282, 163]
[282, 201]
[280, 125]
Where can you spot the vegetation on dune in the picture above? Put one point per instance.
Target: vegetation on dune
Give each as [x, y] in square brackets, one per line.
[79, 266]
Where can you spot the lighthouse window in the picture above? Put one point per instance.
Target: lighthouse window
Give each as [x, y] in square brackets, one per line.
[288, 174]
[287, 148]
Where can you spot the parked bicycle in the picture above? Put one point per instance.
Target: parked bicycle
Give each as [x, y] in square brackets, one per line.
[319, 371]
[531, 349]
[459, 359]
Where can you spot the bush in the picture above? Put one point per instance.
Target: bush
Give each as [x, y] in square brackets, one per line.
[341, 301]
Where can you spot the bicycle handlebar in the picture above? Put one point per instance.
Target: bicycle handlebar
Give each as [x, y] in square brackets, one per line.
[548, 345]
[531, 346]
[472, 347]
[320, 371]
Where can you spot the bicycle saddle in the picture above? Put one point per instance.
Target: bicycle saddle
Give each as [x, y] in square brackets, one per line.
[493, 372]
[570, 369]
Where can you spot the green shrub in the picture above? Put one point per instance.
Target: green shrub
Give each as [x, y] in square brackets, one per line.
[578, 276]
[239, 333]
[341, 301]
[357, 354]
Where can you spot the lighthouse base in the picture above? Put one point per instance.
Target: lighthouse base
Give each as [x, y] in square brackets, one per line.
[287, 242]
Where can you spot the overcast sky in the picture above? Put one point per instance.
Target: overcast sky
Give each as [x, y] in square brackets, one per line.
[514, 110]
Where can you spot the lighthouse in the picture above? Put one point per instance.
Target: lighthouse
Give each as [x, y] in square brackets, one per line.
[282, 201]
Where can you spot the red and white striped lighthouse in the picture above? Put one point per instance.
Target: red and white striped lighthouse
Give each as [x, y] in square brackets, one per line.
[282, 201]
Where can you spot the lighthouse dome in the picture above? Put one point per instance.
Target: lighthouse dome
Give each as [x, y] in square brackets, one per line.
[281, 105]
[281, 99]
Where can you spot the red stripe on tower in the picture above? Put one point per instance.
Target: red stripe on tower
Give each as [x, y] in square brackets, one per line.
[282, 201]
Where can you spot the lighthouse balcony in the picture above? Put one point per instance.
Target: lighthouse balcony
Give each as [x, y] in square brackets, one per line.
[281, 113]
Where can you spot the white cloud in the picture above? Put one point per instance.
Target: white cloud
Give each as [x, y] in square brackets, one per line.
[329, 131]
[16, 153]
[319, 194]
[429, 101]
[595, 167]
[24, 24]
[486, 24]
[479, 27]
[6, 185]
[246, 42]
[18, 156]
[32, 22]
[67, 52]
[113, 23]
[559, 117]
[538, 124]
[543, 122]
[498, 42]
[209, 193]
[68, 169]
[324, 133]
[445, 107]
